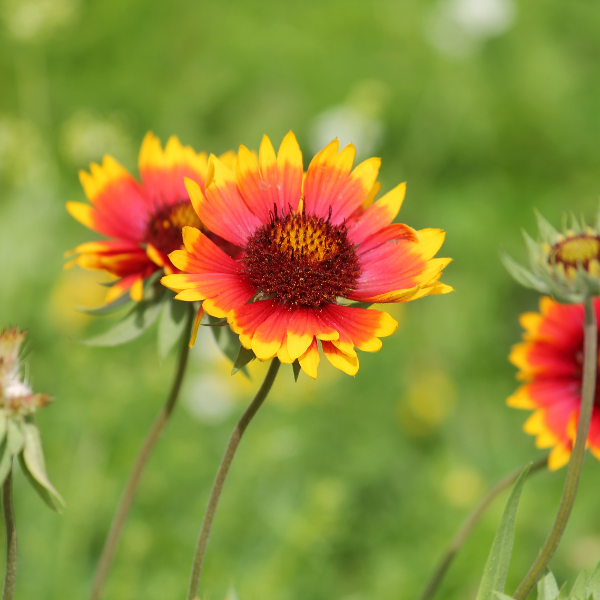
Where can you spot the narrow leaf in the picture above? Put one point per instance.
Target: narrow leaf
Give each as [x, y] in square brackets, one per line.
[244, 357]
[547, 588]
[297, 368]
[33, 456]
[130, 327]
[227, 340]
[171, 325]
[580, 587]
[496, 567]
[43, 493]
[108, 309]
[3, 428]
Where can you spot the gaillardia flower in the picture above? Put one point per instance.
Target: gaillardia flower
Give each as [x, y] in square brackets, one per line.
[550, 361]
[565, 265]
[309, 246]
[144, 220]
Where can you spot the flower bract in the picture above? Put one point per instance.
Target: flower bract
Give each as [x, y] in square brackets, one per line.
[564, 264]
[310, 245]
[142, 219]
[550, 362]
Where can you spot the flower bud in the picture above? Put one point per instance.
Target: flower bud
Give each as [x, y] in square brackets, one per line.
[565, 265]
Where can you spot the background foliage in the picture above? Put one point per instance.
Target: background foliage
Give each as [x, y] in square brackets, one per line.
[344, 489]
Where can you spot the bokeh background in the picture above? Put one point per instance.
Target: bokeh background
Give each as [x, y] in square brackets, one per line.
[344, 488]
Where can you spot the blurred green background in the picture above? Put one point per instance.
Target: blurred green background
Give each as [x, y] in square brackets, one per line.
[344, 489]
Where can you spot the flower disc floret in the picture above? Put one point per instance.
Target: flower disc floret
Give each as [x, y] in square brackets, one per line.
[301, 260]
[165, 226]
[311, 246]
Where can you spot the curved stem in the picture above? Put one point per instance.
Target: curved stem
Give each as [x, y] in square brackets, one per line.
[10, 575]
[469, 523]
[215, 493]
[588, 392]
[118, 522]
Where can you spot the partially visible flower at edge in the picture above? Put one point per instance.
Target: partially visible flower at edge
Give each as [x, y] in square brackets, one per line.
[16, 396]
[565, 265]
[143, 219]
[550, 362]
[310, 244]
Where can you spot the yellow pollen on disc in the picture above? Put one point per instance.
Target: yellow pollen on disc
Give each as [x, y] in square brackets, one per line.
[296, 236]
[577, 250]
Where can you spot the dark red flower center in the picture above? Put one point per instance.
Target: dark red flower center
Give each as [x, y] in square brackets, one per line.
[301, 260]
[578, 250]
[164, 228]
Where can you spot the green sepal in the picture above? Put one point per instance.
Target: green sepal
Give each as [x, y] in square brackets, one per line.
[244, 357]
[547, 232]
[5, 460]
[171, 324]
[522, 275]
[496, 567]
[131, 326]
[33, 464]
[15, 436]
[297, 368]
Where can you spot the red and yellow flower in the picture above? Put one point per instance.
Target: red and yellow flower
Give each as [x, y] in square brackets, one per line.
[143, 219]
[550, 361]
[310, 243]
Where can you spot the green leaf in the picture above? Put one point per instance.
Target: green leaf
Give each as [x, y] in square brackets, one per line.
[108, 309]
[594, 583]
[171, 325]
[547, 588]
[130, 327]
[496, 567]
[33, 459]
[244, 357]
[501, 596]
[580, 589]
[227, 340]
[297, 368]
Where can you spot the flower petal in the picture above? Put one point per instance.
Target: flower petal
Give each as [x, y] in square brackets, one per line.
[309, 361]
[222, 208]
[340, 360]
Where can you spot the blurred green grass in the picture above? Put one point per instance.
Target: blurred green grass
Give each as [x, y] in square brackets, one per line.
[344, 488]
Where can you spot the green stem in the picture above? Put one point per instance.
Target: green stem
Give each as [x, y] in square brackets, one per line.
[118, 522]
[588, 392]
[10, 575]
[469, 523]
[215, 493]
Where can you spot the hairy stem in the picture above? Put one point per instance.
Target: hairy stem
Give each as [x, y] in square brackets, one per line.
[118, 522]
[10, 574]
[215, 493]
[588, 392]
[469, 523]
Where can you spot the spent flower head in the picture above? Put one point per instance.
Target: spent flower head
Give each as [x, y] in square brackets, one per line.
[563, 264]
[19, 435]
